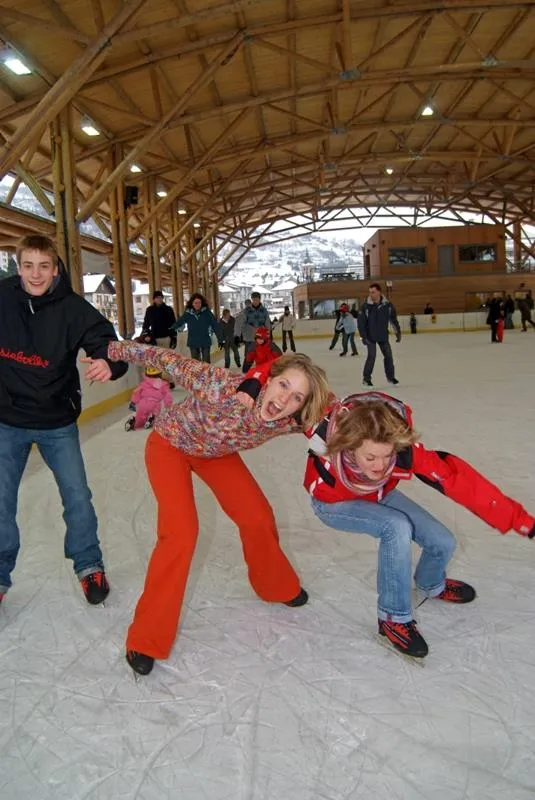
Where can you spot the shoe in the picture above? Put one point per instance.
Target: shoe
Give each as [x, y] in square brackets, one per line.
[342, 355]
[405, 637]
[95, 587]
[354, 354]
[139, 662]
[394, 381]
[171, 386]
[129, 424]
[367, 382]
[331, 347]
[300, 600]
[149, 423]
[456, 592]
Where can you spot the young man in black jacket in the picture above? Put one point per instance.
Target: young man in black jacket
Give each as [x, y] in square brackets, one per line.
[158, 320]
[375, 317]
[43, 324]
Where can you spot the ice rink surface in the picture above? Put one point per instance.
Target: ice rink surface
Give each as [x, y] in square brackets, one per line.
[262, 702]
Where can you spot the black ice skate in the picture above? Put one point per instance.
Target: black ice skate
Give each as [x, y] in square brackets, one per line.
[129, 424]
[149, 423]
[457, 592]
[393, 381]
[95, 587]
[405, 637]
[139, 662]
[367, 382]
[300, 600]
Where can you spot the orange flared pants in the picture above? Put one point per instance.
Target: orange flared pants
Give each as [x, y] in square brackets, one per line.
[272, 577]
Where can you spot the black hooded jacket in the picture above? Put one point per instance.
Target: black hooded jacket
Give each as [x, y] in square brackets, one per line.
[39, 342]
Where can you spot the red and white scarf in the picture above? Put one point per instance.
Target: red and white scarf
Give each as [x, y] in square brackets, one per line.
[345, 466]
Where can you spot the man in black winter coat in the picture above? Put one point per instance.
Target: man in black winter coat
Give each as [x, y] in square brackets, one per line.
[159, 317]
[374, 319]
[43, 325]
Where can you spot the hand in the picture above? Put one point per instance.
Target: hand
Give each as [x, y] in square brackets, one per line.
[221, 345]
[237, 341]
[172, 343]
[99, 370]
[245, 400]
[364, 343]
[398, 338]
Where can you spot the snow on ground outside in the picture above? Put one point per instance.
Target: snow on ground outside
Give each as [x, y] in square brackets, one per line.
[261, 702]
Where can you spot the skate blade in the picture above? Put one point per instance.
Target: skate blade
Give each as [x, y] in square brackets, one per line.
[385, 642]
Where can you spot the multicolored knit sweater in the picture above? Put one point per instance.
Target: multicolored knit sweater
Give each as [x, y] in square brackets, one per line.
[211, 422]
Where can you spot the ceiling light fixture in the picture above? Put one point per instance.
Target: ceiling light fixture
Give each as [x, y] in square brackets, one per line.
[182, 211]
[389, 170]
[196, 224]
[161, 191]
[135, 168]
[427, 110]
[89, 127]
[14, 63]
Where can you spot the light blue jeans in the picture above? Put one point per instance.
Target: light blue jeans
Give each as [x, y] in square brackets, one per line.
[396, 521]
[60, 449]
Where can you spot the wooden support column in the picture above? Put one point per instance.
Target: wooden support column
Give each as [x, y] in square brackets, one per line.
[148, 239]
[121, 255]
[64, 176]
[176, 263]
[517, 248]
[214, 278]
[155, 238]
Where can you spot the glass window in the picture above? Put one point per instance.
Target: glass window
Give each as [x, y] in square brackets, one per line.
[407, 255]
[477, 252]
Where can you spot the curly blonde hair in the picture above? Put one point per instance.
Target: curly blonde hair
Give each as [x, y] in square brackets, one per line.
[374, 420]
[317, 400]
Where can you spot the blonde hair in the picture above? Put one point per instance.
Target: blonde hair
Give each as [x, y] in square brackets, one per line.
[317, 400]
[374, 420]
[36, 242]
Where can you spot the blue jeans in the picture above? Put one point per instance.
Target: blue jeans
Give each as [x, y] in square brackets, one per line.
[396, 521]
[60, 449]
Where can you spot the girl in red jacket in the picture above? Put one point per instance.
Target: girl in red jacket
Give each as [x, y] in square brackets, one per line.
[358, 453]
[203, 435]
[265, 349]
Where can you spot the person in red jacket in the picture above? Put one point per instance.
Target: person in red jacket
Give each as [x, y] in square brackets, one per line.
[265, 349]
[358, 454]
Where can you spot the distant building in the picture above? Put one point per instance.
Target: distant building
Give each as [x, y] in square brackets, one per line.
[100, 292]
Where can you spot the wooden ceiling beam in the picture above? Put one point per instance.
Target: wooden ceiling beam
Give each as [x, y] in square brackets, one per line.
[67, 86]
[121, 169]
[38, 23]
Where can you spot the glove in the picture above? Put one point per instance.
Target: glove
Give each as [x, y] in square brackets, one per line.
[237, 341]
[398, 338]
[131, 406]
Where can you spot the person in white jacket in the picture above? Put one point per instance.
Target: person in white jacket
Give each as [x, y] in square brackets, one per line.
[348, 326]
[288, 324]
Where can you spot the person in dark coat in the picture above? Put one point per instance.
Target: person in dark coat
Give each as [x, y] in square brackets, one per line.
[429, 309]
[43, 325]
[159, 319]
[494, 316]
[509, 310]
[227, 323]
[374, 320]
[525, 306]
[201, 323]
[337, 332]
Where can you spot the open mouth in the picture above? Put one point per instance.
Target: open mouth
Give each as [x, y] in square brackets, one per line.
[273, 409]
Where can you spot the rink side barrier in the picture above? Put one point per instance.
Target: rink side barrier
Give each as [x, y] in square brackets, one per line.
[100, 398]
[443, 323]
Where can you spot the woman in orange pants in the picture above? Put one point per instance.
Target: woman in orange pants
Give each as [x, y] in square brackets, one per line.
[203, 435]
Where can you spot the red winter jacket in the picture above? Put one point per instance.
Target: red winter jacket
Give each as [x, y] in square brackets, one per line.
[443, 471]
[263, 354]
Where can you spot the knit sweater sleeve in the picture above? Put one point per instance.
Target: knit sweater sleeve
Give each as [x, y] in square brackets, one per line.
[201, 379]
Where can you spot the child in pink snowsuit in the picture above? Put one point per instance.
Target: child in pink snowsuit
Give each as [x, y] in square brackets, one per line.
[152, 393]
